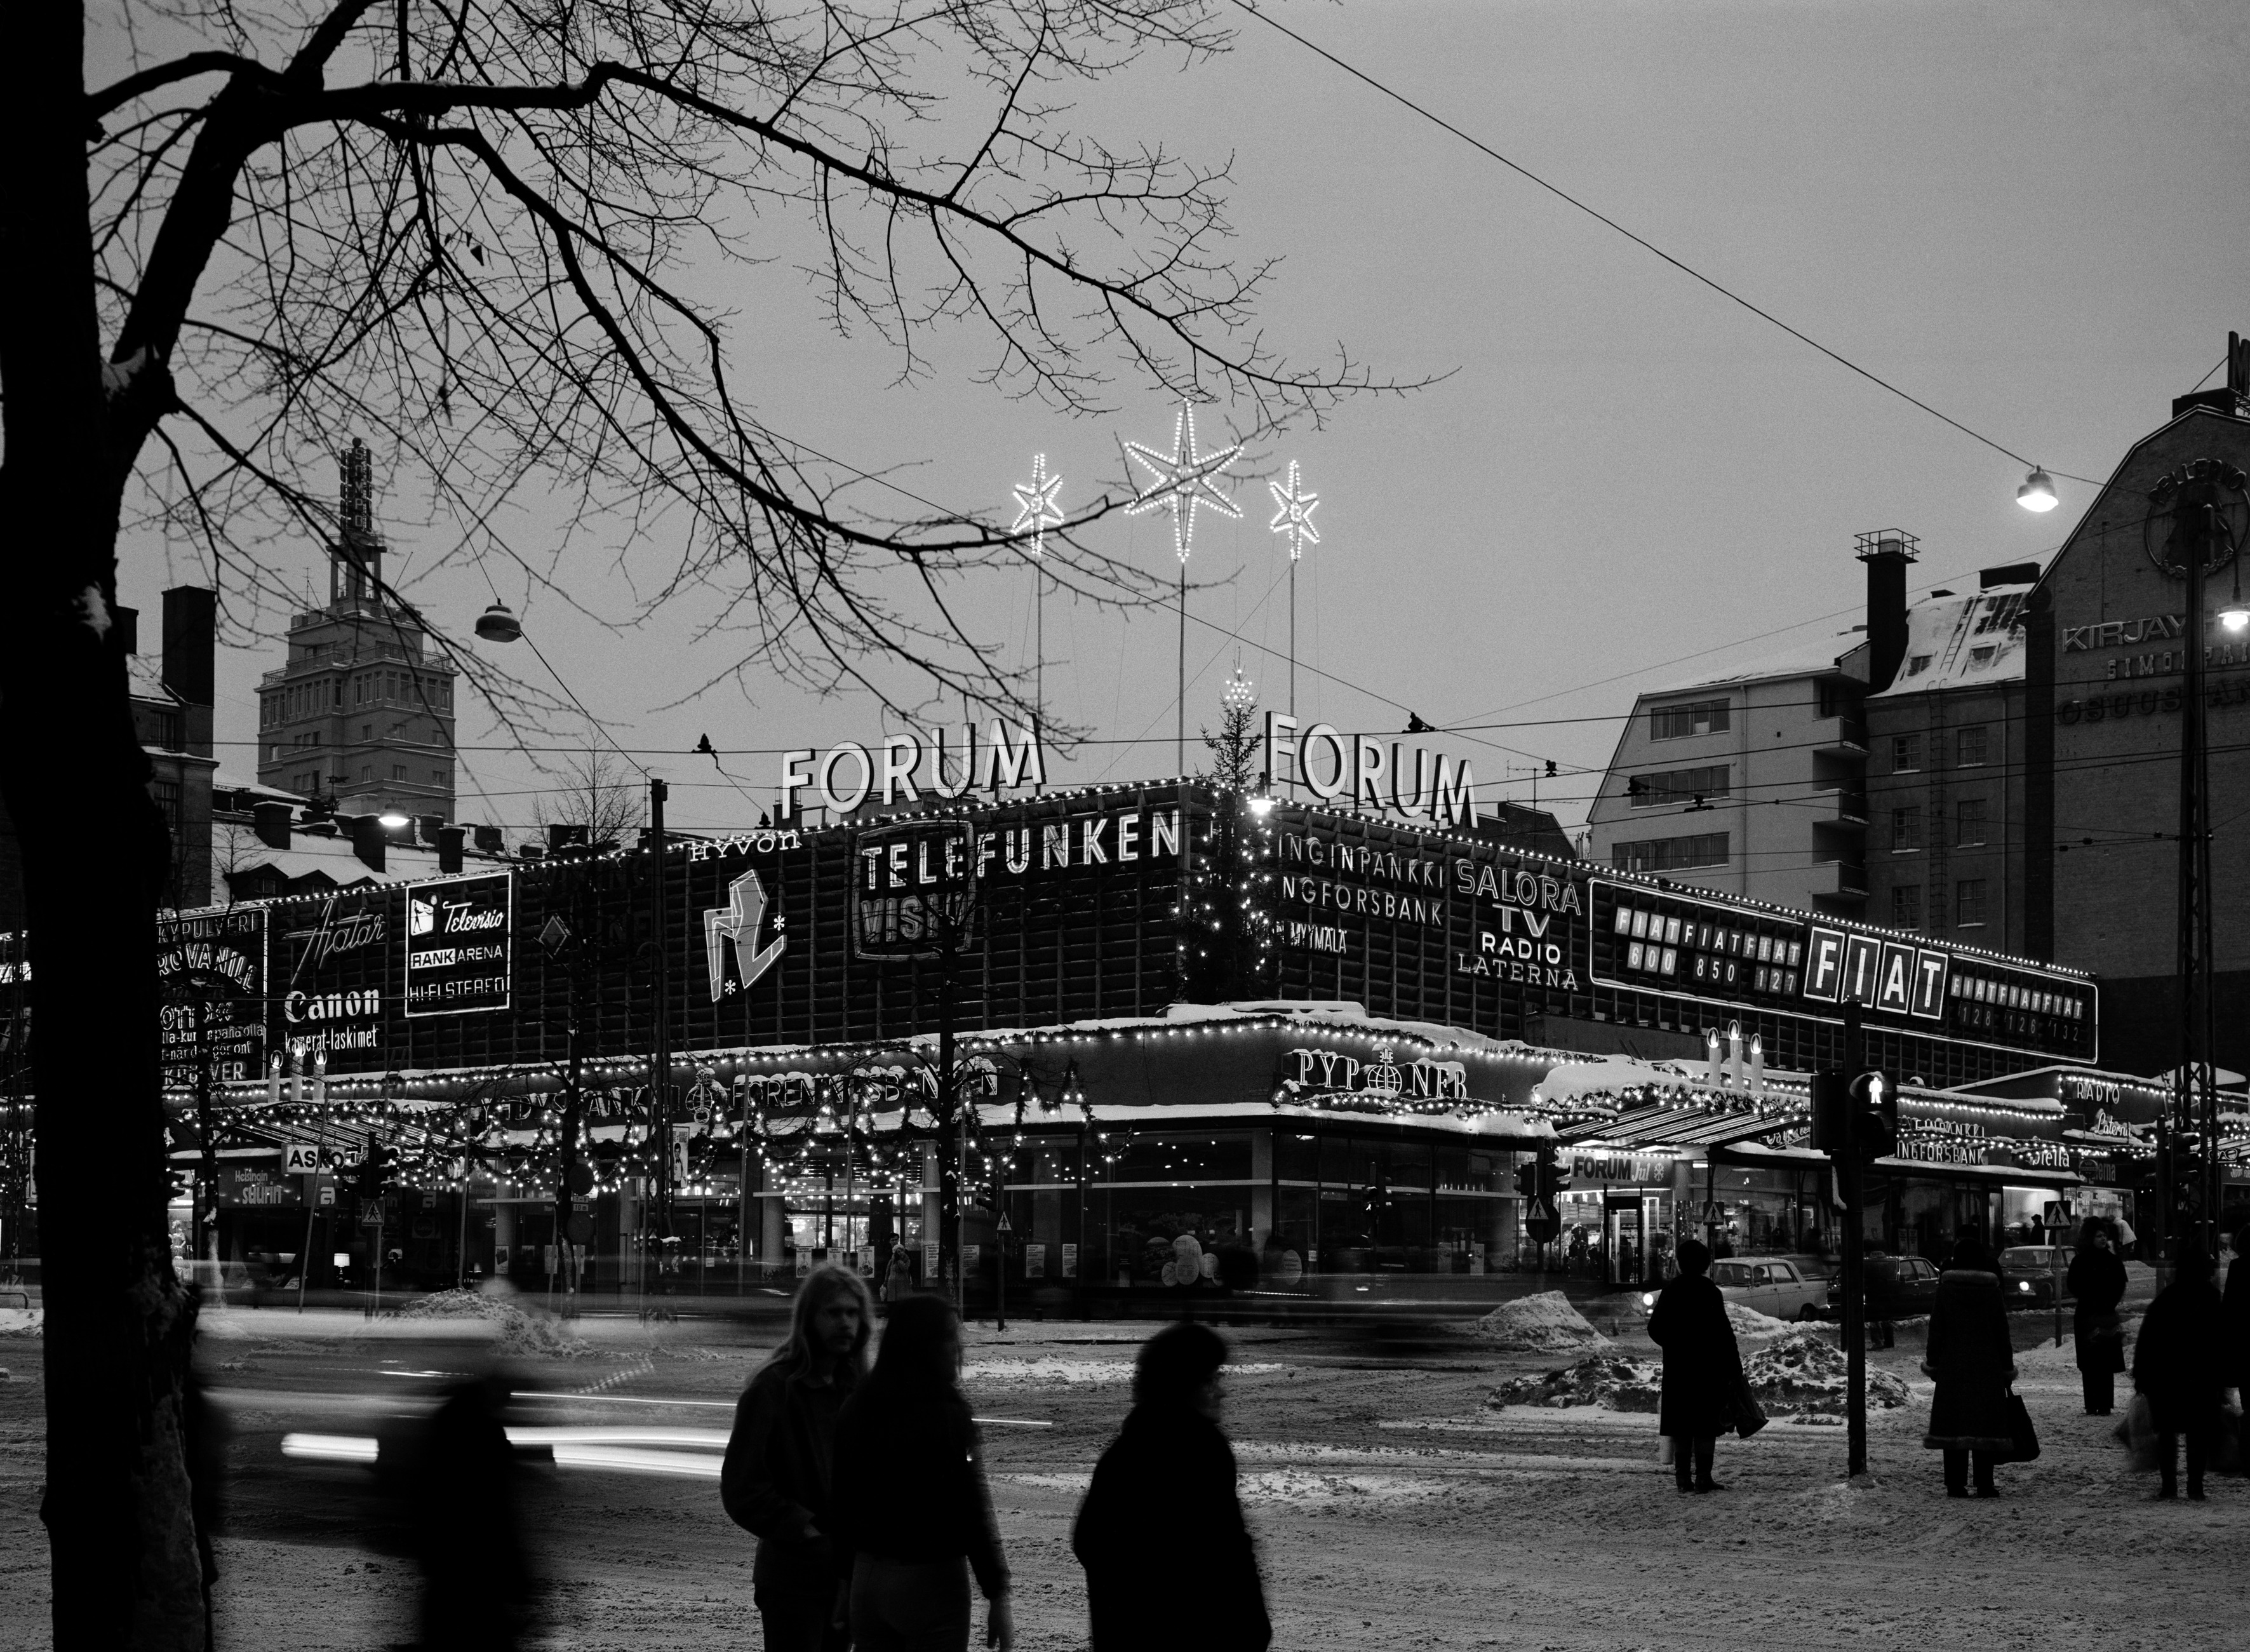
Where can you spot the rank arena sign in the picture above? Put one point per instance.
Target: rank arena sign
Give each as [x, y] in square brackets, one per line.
[459, 945]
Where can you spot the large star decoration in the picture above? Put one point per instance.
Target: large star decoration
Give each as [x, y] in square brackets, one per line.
[1035, 506]
[1183, 479]
[1295, 516]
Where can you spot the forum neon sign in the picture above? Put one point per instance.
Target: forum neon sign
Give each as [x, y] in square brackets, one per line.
[1369, 773]
[847, 774]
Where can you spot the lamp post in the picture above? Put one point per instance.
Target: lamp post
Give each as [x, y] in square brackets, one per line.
[2195, 526]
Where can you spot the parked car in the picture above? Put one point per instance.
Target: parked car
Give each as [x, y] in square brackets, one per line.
[1769, 1285]
[1897, 1288]
[2031, 1275]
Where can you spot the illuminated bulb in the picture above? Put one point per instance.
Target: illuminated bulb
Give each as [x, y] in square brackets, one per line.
[2038, 492]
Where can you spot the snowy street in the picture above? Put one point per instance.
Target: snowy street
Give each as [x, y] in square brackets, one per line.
[1393, 1507]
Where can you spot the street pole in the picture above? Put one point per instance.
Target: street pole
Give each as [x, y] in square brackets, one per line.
[1180, 734]
[659, 1059]
[1000, 1239]
[1852, 1173]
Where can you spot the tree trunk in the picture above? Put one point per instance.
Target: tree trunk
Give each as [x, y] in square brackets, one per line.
[124, 1571]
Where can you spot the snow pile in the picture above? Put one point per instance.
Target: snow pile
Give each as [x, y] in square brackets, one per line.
[1598, 1379]
[1802, 1376]
[21, 1322]
[1747, 1322]
[1544, 1323]
[514, 1331]
[1049, 1371]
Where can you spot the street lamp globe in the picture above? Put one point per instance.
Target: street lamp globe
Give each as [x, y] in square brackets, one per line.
[2038, 490]
[394, 820]
[496, 623]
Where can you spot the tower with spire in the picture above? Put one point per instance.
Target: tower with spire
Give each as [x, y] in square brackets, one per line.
[361, 718]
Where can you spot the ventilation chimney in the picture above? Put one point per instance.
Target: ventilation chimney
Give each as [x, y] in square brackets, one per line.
[489, 841]
[2219, 401]
[271, 822]
[369, 839]
[449, 848]
[562, 835]
[2015, 573]
[191, 643]
[125, 627]
[1888, 552]
[428, 826]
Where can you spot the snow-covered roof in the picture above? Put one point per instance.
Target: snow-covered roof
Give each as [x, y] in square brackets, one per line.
[334, 859]
[1954, 641]
[227, 780]
[1815, 658]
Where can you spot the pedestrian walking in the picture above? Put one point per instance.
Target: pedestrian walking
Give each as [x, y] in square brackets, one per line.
[465, 1500]
[778, 1477]
[1171, 1465]
[1969, 1354]
[899, 1284]
[913, 1515]
[1702, 1367]
[2179, 1362]
[2097, 1284]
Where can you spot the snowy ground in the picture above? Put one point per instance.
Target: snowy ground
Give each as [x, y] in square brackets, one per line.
[1393, 1508]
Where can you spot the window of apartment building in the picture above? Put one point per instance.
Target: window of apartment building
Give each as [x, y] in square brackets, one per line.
[440, 778]
[398, 772]
[1834, 697]
[167, 793]
[1917, 665]
[367, 774]
[1677, 785]
[1906, 829]
[1671, 854]
[1906, 753]
[1968, 903]
[1906, 906]
[1969, 822]
[1695, 716]
[1972, 747]
[1979, 658]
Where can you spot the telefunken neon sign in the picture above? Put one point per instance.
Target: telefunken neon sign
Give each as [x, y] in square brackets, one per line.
[1371, 773]
[986, 761]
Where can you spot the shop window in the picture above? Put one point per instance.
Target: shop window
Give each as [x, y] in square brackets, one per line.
[1969, 822]
[1968, 903]
[1906, 828]
[1906, 906]
[1971, 748]
[1906, 753]
[1692, 717]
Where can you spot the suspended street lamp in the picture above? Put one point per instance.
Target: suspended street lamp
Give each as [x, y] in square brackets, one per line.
[2038, 492]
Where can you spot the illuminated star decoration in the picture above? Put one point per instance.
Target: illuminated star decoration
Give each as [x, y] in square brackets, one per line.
[1295, 516]
[1183, 479]
[1036, 507]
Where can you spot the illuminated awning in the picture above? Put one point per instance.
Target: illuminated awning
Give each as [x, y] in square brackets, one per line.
[1674, 1127]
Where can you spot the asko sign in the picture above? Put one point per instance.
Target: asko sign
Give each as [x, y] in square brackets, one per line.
[458, 936]
[1890, 976]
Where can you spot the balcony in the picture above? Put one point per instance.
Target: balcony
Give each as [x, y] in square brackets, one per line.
[1840, 805]
[1842, 736]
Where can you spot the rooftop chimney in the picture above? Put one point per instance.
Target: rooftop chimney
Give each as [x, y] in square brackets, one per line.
[271, 822]
[369, 839]
[449, 848]
[124, 625]
[489, 841]
[2218, 400]
[1887, 551]
[2016, 573]
[191, 643]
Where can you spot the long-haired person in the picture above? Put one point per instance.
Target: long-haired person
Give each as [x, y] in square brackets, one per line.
[912, 1512]
[779, 1474]
[1171, 1465]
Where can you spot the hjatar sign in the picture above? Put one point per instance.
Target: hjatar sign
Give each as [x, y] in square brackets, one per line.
[458, 945]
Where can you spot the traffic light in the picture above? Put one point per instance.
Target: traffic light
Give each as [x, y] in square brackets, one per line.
[1875, 1101]
[374, 1170]
[1554, 1180]
[1527, 1179]
[1869, 1101]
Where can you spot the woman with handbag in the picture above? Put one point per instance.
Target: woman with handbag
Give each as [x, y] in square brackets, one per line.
[2180, 1364]
[1703, 1368]
[1971, 1418]
[2097, 1281]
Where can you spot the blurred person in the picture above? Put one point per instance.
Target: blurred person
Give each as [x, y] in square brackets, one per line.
[2235, 1314]
[2179, 1362]
[779, 1474]
[2097, 1281]
[912, 1515]
[467, 1525]
[899, 1283]
[1170, 1463]
[1702, 1367]
[1974, 1363]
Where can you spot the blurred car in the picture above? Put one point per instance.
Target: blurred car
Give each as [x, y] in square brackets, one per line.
[1897, 1288]
[1771, 1286]
[2033, 1275]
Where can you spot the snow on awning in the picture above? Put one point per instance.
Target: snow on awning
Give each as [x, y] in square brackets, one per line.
[1675, 1127]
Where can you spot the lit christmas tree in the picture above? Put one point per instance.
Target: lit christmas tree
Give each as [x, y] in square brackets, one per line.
[1234, 765]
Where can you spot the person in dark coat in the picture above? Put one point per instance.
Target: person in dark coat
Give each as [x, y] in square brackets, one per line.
[1974, 1362]
[468, 1524]
[1702, 1367]
[1171, 1470]
[2097, 1281]
[2179, 1362]
[779, 1469]
[2234, 1312]
[913, 1515]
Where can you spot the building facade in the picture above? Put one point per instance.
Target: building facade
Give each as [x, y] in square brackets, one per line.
[1947, 769]
[2105, 653]
[361, 716]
